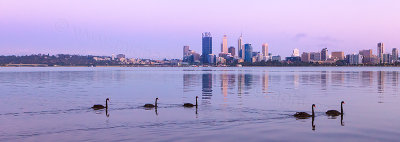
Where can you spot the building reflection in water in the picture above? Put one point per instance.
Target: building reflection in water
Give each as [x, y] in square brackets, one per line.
[224, 84]
[381, 81]
[324, 77]
[337, 77]
[248, 78]
[367, 78]
[395, 77]
[296, 80]
[207, 86]
[240, 84]
[265, 80]
[190, 81]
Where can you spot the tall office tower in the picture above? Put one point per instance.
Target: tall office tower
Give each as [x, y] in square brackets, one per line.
[206, 46]
[366, 53]
[324, 54]
[185, 51]
[248, 50]
[232, 51]
[305, 57]
[224, 45]
[395, 54]
[295, 53]
[240, 47]
[380, 52]
[265, 49]
[339, 55]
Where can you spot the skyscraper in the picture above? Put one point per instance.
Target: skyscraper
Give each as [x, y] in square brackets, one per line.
[206, 46]
[324, 54]
[224, 45]
[265, 49]
[380, 52]
[240, 47]
[232, 51]
[248, 50]
[296, 53]
[185, 51]
[305, 57]
[338, 55]
[395, 54]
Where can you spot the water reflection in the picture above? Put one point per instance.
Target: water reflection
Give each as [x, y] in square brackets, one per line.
[312, 124]
[207, 86]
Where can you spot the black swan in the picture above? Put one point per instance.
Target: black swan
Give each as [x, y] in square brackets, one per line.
[151, 105]
[101, 106]
[189, 104]
[335, 112]
[304, 115]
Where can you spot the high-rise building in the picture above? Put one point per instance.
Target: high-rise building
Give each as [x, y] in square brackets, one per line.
[339, 55]
[367, 56]
[120, 56]
[206, 46]
[296, 53]
[305, 57]
[387, 58]
[248, 50]
[315, 56]
[380, 52]
[240, 47]
[224, 45]
[354, 59]
[324, 54]
[265, 49]
[185, 51]
[395, 54]
[232, 51]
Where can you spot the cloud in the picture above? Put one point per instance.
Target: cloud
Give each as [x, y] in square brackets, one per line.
[299, 36]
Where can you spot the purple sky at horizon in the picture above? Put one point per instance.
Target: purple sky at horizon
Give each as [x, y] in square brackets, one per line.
[159, 28]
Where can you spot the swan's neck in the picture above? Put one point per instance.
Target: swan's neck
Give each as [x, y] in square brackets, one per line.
[106, 104]
[312, 108]
[341, 108]
[196, 102]
[156, 103]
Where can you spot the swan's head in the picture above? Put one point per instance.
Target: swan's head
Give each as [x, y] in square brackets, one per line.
[343, 102]
[156, 98]
[313, 105]
[107, 99]
[197, 97]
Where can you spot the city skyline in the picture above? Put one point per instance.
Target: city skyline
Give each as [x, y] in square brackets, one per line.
[59, 27]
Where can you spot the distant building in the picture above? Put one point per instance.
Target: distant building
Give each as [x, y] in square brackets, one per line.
[339, 55]
[185, 51]
[240, 48]
[232, 51]
[206, 46]
[367, 56]
[248, 50]
[276, 58]
[387, 58]
[380, 51]
[354, 59]
[264, 49]
[305, 57]
[324, 54]
[395, 54]
[315, 56]
[293, 59]
[211, 59]
[224, 45]
[120, 56]
[113, 57]
[295, 53]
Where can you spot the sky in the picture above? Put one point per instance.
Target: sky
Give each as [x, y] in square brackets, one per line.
[160, 28]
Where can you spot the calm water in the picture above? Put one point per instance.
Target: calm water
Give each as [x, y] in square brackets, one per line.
[235, 104]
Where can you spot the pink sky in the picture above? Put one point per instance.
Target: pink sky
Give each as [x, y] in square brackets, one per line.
[159, 28]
